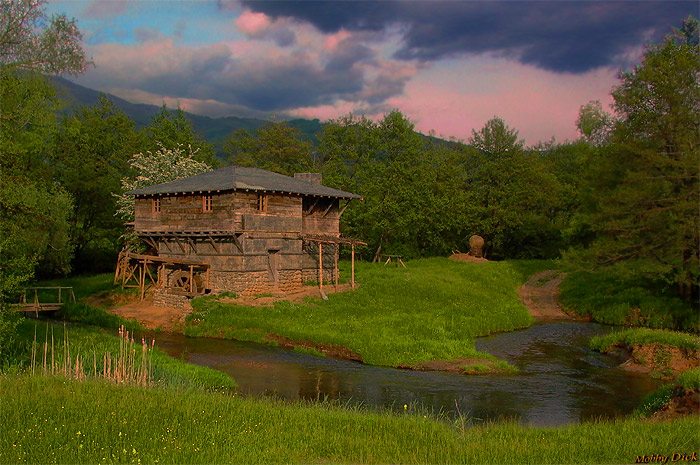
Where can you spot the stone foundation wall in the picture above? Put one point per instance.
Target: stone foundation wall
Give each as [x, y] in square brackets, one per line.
[162, 299]
[254, 282]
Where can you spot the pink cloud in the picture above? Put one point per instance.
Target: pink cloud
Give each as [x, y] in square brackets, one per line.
[253, 24]
[455, 99]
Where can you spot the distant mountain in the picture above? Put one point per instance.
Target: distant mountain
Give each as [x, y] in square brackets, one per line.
[214, 130]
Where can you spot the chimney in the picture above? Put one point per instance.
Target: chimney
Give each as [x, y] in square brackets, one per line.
[313, 178]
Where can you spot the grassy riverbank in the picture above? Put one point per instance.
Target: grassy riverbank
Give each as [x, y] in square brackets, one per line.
[430, 310]
[91, 344]
[608, 299]
[50, 420]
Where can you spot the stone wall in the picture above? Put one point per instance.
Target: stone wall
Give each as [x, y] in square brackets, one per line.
[162, 299]
[254, 282]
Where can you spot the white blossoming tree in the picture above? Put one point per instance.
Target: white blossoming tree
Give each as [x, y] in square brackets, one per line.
[163, 165]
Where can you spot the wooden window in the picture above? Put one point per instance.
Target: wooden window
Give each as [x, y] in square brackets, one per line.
[262, 202]
[206, 203]
[155, 206]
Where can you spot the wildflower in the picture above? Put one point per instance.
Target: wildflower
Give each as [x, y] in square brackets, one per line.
[78, 433]
[405, 406]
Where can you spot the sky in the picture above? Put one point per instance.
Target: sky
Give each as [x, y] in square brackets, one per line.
[449, 66]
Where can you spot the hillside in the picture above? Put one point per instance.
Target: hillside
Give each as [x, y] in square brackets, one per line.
[214, 130]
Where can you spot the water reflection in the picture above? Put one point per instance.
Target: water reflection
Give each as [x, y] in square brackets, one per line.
[561, 381]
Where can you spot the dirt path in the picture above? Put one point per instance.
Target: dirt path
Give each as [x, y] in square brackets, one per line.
[540, 294]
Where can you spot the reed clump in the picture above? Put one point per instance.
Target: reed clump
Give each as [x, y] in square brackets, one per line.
[127, 366]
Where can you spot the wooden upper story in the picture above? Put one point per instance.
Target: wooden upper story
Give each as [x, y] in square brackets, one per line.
[238, 199]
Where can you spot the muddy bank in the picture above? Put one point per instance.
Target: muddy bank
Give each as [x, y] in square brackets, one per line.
[329, 350]
[683, 402]
[658, 360]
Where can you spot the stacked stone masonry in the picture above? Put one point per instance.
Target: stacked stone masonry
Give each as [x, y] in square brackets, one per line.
[162, 298]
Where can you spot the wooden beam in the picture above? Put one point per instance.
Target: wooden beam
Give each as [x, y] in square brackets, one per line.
[329, 208]
[177, 239]
[238, 243]
[311, 208]
[213, 244]
[342, 210]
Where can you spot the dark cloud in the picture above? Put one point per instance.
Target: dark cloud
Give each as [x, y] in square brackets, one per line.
[562, 36]
[213, 73]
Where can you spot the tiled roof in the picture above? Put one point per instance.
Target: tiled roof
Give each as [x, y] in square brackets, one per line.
[243, 178]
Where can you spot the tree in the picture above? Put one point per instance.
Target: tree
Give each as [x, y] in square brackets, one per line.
[149, 168]
[594, 123]
[512, 193]
[91, 152]
[644, 191]
[275, 147]
[410, 188]
[31, 41]
[173, 128]
[33, 210]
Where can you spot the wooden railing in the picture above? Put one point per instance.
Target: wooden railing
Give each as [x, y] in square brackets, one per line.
[34, 304]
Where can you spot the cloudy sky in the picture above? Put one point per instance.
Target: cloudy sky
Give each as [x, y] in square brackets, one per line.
[449, 66]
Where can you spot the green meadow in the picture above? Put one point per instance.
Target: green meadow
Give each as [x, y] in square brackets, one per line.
[431, 310]
[53, 420]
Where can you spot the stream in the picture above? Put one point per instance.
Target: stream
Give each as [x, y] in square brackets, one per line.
[561, 381]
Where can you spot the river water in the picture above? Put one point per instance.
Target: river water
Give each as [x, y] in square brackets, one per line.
[560, 381]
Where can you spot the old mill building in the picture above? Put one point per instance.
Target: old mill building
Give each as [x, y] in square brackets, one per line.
[236, 229]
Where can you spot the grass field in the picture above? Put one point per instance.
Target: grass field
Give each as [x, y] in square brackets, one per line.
[431, 310]
[610, 300]
[50, 420]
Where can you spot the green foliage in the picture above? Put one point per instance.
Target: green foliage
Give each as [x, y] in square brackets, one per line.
[594, 123]
[642, 191]
[276, 147]
[689, 379]
[645, 336]
[91, 152]
[514, 197]
[413, 204]
[171, 129]
[639, 302]
[431, 310]
[126, 424]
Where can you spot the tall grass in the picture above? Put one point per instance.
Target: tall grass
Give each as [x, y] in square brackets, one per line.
[48, 420]
[121, 367]
[611, 300]
[430, 310]
[105, 355]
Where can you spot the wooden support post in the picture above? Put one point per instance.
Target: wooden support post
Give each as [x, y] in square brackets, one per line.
[59, 295]
[320, 267]
[142, 275]
[207, 273]
[36, 304]
[191, 277]
[335, 266]
[352, 273]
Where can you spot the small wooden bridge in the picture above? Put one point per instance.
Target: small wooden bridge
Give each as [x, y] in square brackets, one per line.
[56, 296]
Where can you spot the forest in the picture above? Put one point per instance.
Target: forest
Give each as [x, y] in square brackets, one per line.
[623, 197]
